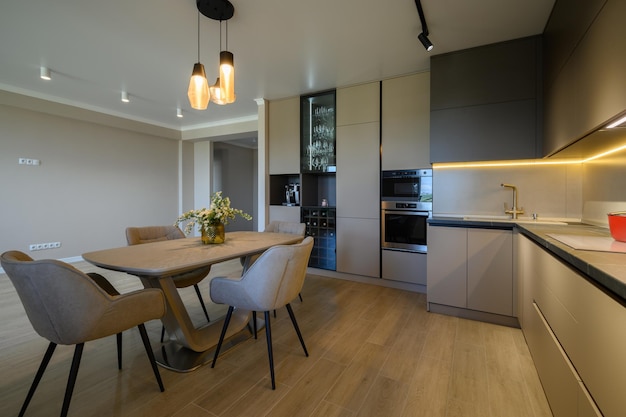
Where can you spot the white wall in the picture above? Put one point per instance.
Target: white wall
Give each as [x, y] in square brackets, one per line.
[92, 183]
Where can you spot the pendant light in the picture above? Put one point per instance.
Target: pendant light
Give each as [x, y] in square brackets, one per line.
[198, 91]
[227, 70]
[216, 93]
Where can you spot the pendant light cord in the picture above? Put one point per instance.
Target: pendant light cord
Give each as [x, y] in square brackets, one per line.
[198, 36]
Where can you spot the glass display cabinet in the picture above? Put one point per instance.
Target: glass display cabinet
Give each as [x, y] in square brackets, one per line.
[317, 137]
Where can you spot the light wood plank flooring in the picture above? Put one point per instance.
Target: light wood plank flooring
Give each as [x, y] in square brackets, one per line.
[374, 351]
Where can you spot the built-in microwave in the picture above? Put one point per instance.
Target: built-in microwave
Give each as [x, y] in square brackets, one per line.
[407, 185]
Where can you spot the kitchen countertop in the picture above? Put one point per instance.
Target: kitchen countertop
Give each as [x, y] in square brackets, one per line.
[606, 269]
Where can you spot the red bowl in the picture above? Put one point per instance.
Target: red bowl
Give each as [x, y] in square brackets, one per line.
[617, 225]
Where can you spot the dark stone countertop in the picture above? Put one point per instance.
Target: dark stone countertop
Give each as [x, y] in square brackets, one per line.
[606, 269]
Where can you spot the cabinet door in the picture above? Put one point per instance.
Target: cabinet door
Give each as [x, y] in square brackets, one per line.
[358, 104]
[284, 136]
[405, 130]
[358, 246]
[358, 172]
[490, 271]
[447, 266]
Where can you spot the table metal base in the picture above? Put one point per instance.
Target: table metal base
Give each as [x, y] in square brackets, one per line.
[175, 357]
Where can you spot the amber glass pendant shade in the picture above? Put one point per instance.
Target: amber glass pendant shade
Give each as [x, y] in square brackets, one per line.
[198, 91]
[227, 77]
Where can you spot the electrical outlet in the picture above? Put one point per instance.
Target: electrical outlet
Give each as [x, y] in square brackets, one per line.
[28, 161]
[42, 246]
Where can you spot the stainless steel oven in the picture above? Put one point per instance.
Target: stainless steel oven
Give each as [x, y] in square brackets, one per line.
[407, 203]
[404, 225]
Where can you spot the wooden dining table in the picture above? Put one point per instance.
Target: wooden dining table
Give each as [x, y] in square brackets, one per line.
[155, 263]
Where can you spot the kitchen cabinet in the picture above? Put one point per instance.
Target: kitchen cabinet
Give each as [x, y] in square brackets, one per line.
[471, 269]
[405, 122]
[317, 132]
[584, 43]
[284, 134]
[575, 333]
[358, 179]
[358, 104]
[405, 267]
[486, 102]
[284, 214]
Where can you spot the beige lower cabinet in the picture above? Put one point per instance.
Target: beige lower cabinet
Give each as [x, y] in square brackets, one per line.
[576, 334]
[471, 268]
[358, 246]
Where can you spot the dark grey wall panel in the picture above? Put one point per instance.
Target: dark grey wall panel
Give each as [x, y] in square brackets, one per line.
[494, 73]
[486, 132]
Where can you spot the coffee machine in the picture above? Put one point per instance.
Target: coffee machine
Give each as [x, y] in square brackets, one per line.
[292, 194]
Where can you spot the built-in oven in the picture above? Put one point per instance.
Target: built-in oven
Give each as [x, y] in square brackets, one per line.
[403, 225]
[407, 203]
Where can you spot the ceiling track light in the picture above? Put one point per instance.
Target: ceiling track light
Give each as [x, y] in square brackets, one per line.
[44, 73]
[125, 98]
[179, 112]
[423, 37]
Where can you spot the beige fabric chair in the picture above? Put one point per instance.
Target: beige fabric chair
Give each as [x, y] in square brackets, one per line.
[68, 307]
[292, 228]
[272, 281]
[148, 234]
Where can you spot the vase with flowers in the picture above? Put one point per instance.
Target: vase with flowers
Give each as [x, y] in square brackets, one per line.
[211, 221]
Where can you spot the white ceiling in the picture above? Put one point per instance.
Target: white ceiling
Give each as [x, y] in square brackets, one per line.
[282, 48]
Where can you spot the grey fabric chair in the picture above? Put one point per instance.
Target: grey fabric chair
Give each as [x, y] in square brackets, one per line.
[148, 234]
[292, 228]
[272, 282]
[67, 307]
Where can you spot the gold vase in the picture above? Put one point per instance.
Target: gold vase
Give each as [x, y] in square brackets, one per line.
[213, 233]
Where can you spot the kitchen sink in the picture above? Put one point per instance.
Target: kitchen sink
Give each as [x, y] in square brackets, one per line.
[509, 220]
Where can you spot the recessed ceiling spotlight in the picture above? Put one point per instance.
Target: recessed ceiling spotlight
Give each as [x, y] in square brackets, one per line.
[44, 73]
[125, 98]
[179, 112]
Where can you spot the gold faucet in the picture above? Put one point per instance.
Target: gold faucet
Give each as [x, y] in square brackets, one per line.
[515, 210]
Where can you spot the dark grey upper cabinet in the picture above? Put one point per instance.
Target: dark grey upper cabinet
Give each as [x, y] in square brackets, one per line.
[586, 87]
[485, 102]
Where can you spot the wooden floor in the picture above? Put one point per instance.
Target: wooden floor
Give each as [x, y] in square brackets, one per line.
[374, 351]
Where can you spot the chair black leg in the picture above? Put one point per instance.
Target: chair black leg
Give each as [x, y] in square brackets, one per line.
[150, 353]
[229, 313]
[162, 333]
[270, 353]
[254, 323]
[295, 325]
[38, 375]
[300, 295]
[119, 350]
[206, 313]
[71, 381]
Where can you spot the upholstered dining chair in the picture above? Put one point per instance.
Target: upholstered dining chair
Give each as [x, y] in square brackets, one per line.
[292, 228]
[67, 307]
[271, 282]
[148, 234]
